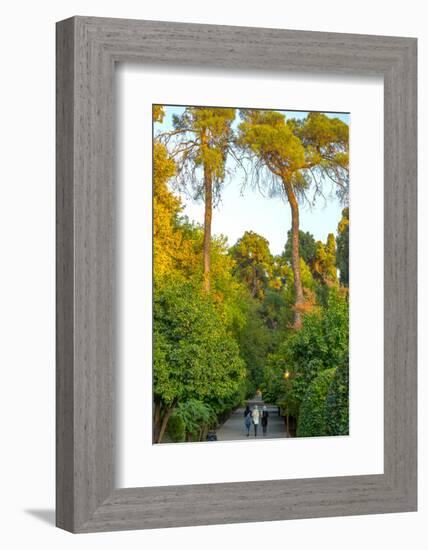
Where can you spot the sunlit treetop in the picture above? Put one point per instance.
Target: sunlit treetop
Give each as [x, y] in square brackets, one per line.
[267, 135]
[299, 152]
[158, 113]
[252, 247]
[253, 262]
[201, 139]
[344, 222]
[324, 263]
[326, 144]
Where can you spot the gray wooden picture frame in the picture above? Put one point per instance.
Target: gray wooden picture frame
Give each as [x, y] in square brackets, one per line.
[87, 50]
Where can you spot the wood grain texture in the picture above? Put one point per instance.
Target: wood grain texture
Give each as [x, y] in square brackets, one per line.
[87, 50]
[64, 276]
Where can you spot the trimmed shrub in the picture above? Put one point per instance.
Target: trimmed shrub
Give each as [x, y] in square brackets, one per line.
[311, 421]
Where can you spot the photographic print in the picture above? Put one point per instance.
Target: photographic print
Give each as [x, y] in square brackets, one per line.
[250, 274]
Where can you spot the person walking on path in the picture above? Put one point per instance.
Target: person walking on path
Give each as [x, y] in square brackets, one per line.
[256, 419]
[265, 416]
[247, 419]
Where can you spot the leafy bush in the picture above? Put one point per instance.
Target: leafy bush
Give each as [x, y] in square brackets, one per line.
[337, 402]
[322, 343]
[312, 419]
[176, 428]
[194, 356]
[189, 420]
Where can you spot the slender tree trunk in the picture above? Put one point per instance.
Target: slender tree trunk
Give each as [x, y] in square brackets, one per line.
[164, 422]
[295, 256]
[208, 188]
[156, 421]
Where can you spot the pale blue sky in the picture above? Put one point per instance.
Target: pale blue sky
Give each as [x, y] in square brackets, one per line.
[269, 217]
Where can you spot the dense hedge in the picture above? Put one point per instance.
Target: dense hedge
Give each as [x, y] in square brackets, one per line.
[312, 420]
[337, 403]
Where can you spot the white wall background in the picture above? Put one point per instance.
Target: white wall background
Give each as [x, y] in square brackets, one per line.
[27, 273]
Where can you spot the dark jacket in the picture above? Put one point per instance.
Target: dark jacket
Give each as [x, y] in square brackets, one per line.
[265, 416]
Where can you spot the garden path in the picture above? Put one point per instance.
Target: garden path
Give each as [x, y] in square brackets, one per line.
[234, 429]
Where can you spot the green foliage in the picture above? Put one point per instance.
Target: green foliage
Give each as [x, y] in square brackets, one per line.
[324, 262]
[321, 343]
[289, 156]
[307, 247]
[189, 420]
[343, 247]
[253, 262]
[296, 151]
[176, 428]
[322, 132]
[330, 263]
[202, 141]
[194, 356]
[273, 309]
[255, 341]
[312, 420]
[270, 138]
[212, 349]
[326, 145]
[337, 402]
[171, 247]
[158, 113]
[307, 278]
[276, 389]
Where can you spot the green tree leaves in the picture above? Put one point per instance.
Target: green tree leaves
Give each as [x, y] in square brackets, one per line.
[337, 402]
[322, 343]
[307, 247]
[271, 139]
[343, 247]
[194, 356]
[199, 145]
[253, 262]
[190, 419]
[225, 316]
[312, 419]
[289, 156]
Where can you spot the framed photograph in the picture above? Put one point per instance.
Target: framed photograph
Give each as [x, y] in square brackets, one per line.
[236, 274]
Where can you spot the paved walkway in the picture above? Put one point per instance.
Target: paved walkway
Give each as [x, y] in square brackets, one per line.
[234, 429]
